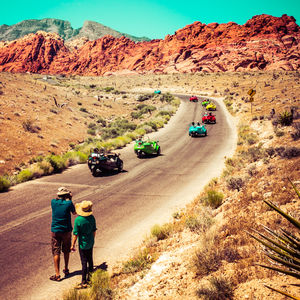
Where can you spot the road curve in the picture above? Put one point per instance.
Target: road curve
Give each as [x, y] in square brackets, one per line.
[126, 205]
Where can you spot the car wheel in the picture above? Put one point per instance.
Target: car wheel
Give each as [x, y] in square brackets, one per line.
[205, 133]
[158, 151]
[120, 166]
[94, 172]
[140, 154]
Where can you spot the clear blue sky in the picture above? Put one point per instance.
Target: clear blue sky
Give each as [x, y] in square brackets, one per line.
[153, 19]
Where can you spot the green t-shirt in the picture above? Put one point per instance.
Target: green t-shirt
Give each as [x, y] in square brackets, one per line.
[84, 228]
[61, 215]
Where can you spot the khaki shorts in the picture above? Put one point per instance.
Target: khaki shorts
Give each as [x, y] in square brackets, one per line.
[61, 241]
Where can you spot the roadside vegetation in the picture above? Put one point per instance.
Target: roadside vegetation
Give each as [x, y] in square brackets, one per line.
[103, 133]
[208, 245]
[206, 251]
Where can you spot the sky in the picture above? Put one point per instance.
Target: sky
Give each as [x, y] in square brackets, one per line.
[153, 19]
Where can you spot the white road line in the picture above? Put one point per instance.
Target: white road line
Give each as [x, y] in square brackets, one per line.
[63, 184]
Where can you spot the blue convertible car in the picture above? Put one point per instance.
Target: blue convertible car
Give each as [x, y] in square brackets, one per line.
[196, 129]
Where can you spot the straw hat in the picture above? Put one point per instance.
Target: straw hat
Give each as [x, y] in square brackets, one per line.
[63, 191]
[84, 208]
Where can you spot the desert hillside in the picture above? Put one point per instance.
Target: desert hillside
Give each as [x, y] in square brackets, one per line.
[206, 251]
[262, 43]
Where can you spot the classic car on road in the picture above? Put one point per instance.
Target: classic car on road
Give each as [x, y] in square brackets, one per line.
[144, 148]
[193, 99]
[205, 102]
[209, 118]
[211, 106]
[196, 129]
[104, 162]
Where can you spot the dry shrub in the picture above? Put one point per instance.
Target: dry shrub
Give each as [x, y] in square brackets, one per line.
[207, 256]
[199, 222]
[235, 183]
[296, 134]
[220, 289]
[30, 127]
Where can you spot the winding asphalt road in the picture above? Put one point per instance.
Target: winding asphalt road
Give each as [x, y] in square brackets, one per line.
[126, 205]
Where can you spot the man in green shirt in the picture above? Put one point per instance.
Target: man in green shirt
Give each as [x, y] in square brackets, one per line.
[61, 229]
[85, 230]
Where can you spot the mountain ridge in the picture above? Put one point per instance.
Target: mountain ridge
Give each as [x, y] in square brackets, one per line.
[262, 43]
[61, 27]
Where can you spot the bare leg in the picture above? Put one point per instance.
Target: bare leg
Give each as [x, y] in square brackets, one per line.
[66, 257]
[56, 259]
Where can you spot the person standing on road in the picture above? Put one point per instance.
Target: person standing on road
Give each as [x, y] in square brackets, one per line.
[85, 229]
[61, 229]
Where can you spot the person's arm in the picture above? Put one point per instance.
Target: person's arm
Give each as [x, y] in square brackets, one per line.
[73, 210]
[73, 242]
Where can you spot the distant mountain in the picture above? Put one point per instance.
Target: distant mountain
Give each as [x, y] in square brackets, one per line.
[91, 30]
[264, 43]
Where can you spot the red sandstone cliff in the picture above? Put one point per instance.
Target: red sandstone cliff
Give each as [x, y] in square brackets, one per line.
[263, 43]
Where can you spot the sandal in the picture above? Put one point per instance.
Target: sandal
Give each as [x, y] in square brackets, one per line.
[66, 272]
[81, 286]
[55, 278]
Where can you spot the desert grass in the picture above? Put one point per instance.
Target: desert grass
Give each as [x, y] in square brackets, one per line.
[99, 288]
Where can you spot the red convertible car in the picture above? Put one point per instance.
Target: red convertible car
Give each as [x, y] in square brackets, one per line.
[193, 99]
[209, 118]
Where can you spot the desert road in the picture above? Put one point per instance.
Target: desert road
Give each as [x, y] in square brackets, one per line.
[126, 205]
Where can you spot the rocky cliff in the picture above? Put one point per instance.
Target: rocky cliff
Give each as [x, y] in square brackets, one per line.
[263, 43]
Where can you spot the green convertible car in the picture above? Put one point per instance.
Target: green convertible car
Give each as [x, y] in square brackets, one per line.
[144, 148]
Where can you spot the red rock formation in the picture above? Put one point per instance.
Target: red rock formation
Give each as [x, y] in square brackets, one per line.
[33, 53]
[263, 43]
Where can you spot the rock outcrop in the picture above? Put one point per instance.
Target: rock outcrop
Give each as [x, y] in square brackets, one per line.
[263, 43]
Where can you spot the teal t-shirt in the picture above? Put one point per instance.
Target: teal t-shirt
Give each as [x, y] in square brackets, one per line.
[61, 215]
[84, 228]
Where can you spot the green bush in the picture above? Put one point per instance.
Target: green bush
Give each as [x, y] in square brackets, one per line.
[117, 128]
[81, 156]
[46, 167]
[101, 121]
[100, 286]
[24, 175]
[164, 113]
[138, 263]
[83, 109]
[148, 109]
[91, 132]
[213, 199]
[108, 89]
[136, 114]
[144, 97]
[57, 162]
[167, 97]
[161, 232]
[4, 184]
[92, 126]
[285, 118]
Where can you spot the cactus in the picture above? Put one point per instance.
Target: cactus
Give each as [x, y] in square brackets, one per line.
[282, 247]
